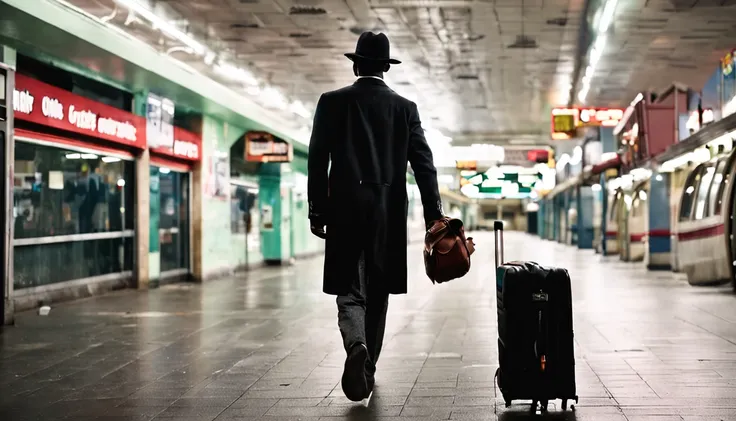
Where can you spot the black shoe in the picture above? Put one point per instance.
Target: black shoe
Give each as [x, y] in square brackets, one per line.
[371, 381]
[354, 382]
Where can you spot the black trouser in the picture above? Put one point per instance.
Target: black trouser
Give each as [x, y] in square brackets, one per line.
[362, 315]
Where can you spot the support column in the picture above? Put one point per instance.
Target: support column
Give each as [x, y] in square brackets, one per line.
[7, 84]
[658, 244]
[269, 198]
[142, 221]
[143, 191]
[604, 215]
[196, 242]
[540, 219]
[585, 230]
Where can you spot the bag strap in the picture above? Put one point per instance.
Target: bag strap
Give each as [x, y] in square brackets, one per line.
[437, 233]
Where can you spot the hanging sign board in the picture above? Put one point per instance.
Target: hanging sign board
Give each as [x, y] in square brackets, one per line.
[564, 123]
[264, 147]
[39, 103]
[606, 117]
[159, 122]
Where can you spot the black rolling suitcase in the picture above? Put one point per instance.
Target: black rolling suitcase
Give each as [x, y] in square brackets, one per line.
[535, 332]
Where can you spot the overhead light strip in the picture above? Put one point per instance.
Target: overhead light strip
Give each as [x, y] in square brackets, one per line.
[609, 10]
[224, 69]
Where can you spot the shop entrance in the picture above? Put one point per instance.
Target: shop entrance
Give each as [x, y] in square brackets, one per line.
[245, 219]
[6, 127]
[173, 230]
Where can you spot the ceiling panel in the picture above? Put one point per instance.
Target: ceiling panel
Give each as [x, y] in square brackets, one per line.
[478, 69]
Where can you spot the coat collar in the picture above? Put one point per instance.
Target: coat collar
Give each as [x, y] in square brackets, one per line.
[370, 80]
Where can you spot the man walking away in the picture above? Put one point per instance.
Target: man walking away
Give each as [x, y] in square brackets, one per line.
[368, 133]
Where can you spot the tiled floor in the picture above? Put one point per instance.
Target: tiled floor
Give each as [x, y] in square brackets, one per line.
[266, 347]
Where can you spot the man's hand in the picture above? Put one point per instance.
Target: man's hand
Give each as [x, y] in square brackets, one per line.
[318, 229]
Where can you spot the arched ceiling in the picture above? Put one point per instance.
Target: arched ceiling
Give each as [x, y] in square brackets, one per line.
[485, 71]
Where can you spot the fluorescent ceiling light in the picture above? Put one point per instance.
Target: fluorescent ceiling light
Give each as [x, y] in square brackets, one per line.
[235, 73]
[109, 159]
[583, 94]
[274, 98]
[163, 25]
[73, 156]
[638, 98]
[607, 16]
[164, 170]
[89, 156]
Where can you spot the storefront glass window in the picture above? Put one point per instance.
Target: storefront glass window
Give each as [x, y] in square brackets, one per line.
[174, 219]
[73, 211]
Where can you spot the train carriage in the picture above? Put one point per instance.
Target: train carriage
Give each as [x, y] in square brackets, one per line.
[638, 222]
[705, 251]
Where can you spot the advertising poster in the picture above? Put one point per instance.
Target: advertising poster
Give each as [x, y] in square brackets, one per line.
[218, 180]
[264, 147]
[266, 218]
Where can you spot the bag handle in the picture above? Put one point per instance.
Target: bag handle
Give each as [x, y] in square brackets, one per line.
[498, 232]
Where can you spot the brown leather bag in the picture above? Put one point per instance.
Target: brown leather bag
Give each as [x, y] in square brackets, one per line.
[447, 251]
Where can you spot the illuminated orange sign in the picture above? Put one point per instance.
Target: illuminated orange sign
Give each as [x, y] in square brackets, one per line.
[466, 165]
[727, 63]
[565, 121]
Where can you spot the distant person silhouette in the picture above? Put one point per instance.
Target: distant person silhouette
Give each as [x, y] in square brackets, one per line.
[365, 134]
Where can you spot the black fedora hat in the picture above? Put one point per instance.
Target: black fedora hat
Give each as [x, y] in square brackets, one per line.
[372, 47]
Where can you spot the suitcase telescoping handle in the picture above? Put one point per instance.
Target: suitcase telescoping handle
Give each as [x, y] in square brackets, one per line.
[498, 231]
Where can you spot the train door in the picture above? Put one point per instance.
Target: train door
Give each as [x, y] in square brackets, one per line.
[727, 193]
[622, 213]
[6, 157]
[677, 186]
[611, 227]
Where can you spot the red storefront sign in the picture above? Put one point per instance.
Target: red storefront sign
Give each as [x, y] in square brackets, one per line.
[187, 146]
[44, 104]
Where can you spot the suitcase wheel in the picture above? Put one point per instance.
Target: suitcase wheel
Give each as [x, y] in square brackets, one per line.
[542, 405]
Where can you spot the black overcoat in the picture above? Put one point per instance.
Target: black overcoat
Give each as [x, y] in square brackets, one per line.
[362, 139]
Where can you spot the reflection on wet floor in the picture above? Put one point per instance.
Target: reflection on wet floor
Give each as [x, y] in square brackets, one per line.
[265, 346]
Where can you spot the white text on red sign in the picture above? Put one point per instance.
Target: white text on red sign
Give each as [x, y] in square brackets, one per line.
[23, 102]
[186, 149]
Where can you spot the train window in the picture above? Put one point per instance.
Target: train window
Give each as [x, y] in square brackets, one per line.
[711, 208]
[705, 181]
[724, 184]
[640, 196]
[688, 191]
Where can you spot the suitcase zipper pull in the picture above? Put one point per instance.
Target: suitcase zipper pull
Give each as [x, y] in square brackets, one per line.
[543, 362]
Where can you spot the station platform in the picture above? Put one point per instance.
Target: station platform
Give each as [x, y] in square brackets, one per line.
[265, 346]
